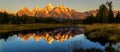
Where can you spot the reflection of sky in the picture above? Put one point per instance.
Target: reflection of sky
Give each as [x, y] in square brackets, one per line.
[15, 44]
[85, 43]
[0, 45]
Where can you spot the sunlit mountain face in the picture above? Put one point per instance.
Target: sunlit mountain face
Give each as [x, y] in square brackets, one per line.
[52, 11]
[49, 10]
[55, 12]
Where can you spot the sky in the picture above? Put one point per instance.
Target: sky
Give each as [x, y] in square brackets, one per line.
[79, 5]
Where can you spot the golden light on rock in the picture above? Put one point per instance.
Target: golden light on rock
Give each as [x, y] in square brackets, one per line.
[37, 38]
[49, 38]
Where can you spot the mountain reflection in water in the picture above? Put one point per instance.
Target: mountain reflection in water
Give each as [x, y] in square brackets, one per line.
[46, 37]
[16, 44]
[64, 39]
[60, 33]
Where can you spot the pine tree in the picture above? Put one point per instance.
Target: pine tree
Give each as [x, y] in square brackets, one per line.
[5, 18]
[111, 15]
[102, 15]
[117, 19]
[89, 20]
[1, 18]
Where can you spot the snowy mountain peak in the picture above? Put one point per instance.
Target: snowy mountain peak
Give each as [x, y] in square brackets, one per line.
[35, 9]
[48, 7]
[25, 8]
[55, 12]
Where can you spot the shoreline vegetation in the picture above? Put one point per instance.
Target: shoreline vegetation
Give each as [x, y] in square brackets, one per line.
[103, 32]
[4, 28]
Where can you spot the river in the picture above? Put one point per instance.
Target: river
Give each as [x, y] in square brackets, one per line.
[61, 39]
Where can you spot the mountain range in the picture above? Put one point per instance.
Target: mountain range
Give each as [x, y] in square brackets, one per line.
[56, 12]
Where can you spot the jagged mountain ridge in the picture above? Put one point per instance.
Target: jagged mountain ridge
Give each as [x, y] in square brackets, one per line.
[55, 12]
[94, 12]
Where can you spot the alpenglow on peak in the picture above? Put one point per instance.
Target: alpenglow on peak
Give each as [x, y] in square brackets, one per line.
[48, 7]
[56, 12]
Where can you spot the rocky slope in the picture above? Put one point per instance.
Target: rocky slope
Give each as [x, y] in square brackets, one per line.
[55, 12]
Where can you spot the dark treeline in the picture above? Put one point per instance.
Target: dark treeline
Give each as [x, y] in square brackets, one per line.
[104, 15]
[24, 19]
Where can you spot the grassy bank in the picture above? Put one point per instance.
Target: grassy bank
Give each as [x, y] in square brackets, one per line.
[103, 32]
[12, 27]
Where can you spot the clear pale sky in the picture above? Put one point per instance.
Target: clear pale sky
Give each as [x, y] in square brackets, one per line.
[79, 5]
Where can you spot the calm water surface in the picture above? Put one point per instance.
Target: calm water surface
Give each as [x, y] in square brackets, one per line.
[66, 39]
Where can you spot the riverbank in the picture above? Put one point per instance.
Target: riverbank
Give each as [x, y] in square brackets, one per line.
[103, 32]
[19, 27]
